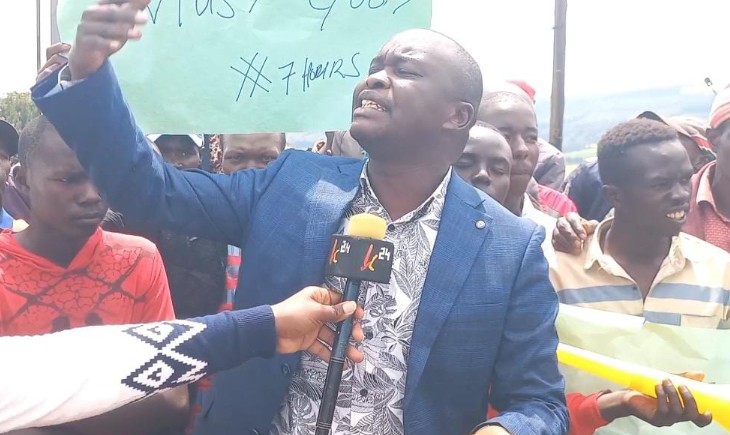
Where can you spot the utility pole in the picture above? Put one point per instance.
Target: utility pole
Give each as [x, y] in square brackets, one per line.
[38, 34]
[557, 101]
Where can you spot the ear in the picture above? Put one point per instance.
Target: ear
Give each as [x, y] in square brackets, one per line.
[713, 136]
[21, 179]
[613, 195]
[461, 117]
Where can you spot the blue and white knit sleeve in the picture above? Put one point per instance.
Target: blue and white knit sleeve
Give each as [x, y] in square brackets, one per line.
[75, 374]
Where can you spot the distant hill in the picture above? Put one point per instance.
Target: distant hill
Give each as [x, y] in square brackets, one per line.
[587, 118]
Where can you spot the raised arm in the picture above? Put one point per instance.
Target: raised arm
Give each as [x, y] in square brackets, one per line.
[86, 105]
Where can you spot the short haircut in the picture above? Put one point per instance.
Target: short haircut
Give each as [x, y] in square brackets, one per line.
[469, 83]
[467, 75]
[498, 97]
[31, 138]
[282, 139]
[613, 146]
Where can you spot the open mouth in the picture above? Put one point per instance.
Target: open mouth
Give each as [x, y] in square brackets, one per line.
[678, 216]
[370, 104]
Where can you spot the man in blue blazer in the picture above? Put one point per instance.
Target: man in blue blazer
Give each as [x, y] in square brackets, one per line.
[468, 318]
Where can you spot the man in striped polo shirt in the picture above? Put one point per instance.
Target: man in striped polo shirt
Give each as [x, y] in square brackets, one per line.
[587, 412]
[639, 262]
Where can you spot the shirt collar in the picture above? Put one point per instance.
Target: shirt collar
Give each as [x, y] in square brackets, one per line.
[528, 208]
[676, 257]
[704, 189]
[438, 197]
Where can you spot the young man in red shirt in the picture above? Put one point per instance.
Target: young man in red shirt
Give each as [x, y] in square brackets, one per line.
[64, 272]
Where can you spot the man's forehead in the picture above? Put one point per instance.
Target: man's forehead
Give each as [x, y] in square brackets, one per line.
[508, 111]
[416, 44]
[404, 50]
[655, 160]
[656, 151]
[56, 155]
[490, 145]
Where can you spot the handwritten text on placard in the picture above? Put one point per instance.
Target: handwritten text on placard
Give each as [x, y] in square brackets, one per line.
[236, 66]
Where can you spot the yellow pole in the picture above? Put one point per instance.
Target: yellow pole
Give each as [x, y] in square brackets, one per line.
[713, 398]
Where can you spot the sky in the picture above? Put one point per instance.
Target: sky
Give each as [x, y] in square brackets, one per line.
[616, 45]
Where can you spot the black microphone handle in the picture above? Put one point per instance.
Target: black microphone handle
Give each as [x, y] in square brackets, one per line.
[336, 365]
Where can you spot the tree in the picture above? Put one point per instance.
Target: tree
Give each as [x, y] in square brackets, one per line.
[18, 109]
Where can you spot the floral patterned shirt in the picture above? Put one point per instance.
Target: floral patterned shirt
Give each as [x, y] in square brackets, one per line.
[372, 392]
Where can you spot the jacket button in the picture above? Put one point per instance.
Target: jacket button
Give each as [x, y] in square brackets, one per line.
[285, 370]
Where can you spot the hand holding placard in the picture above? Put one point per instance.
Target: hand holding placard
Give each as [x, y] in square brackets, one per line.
[237, 66]
[105, 28]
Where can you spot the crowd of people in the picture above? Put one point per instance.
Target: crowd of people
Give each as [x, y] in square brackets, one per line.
[103, 225]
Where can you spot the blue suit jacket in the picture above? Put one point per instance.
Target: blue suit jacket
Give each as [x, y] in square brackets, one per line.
[485, 326]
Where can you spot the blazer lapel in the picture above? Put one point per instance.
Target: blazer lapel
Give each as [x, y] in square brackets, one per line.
[462, 231]
[328, 203]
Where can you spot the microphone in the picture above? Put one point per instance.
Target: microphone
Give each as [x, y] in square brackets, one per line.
[359, 255]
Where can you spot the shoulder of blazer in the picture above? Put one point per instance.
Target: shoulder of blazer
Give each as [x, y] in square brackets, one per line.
[503, 222]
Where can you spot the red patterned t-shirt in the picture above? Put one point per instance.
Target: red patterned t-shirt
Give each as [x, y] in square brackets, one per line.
[114, 279]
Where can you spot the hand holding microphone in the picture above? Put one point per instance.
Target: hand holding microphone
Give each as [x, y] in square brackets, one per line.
[359, 255]
[301, 322]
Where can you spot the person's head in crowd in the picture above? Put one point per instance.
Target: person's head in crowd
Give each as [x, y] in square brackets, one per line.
[486, 161]
[245, 151]
[65, 205]
[708, 217]
[719, 132]
[513, 114]
[180, 150]
[646, 175]
[418, 102]
[8, 148]
[692, 134]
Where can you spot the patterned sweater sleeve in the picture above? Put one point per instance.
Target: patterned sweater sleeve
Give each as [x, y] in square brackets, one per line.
[56, 378]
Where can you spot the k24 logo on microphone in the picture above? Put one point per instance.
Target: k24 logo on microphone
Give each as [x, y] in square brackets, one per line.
[371, 257]
[360, 258]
